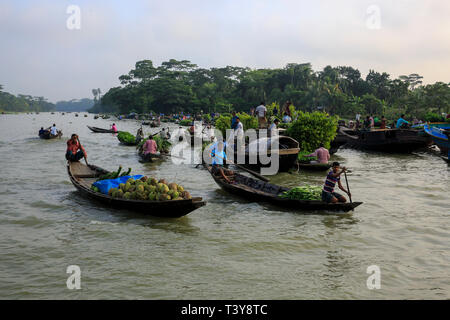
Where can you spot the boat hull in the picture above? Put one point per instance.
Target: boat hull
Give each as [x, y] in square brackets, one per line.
[387, 140]
[167, 209]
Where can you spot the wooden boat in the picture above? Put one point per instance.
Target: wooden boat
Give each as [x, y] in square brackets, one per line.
[76, 114]
[258, 190]
[150, 157]
[48, 135]
[287, 153]
[440, 136]
[314, 166]
[153, 124]
[385, 140]
[82, 177]
[100, 130]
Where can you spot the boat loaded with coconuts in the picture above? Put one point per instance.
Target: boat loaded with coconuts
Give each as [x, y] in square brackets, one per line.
[258, 190]
[136, 193]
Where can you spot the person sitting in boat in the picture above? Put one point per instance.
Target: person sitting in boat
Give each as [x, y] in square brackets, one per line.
[333, 177]
[273, 129]
[322, 154]
[383, 123]
[42, 131]
[150, 146]
[367, 124]
[402, 123]
[139, 135]
[114, 128]
[218, 155]
[53, 130]
[75, 150]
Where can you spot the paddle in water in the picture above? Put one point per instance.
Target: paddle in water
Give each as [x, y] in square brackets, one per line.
[348, 188]
[84, 153]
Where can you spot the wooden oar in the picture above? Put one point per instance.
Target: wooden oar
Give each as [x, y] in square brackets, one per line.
[84, 153]
[348, 188]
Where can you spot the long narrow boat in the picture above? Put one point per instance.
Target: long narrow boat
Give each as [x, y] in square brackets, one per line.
[314, 166]
[440, 137]
[48, 135]
[150, 157]
[82, 177]
[100, 130]
[258, 190]
[386, 140]
[287, 153]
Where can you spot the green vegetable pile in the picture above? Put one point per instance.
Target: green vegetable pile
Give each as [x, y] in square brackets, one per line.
[162, 145]
[302, 157]
[303, 193]
[126, 137]
[186, 122]
[149, 189]
[115, 174]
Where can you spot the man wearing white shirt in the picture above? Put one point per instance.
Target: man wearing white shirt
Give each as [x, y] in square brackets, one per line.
[261, 111]
[273, 130]
[53, 130]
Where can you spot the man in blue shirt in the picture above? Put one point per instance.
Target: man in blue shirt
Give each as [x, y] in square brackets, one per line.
[401, 122]
[218, 155]
[233, 120]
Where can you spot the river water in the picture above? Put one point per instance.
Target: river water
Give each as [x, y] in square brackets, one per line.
[228, 249]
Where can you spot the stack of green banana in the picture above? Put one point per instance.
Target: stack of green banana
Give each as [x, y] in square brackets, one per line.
[303, 193]
[114, 174]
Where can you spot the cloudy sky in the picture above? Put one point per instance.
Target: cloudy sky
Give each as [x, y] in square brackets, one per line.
[41, 55]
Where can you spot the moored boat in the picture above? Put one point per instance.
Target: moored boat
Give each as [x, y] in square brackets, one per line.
[314, 166]
[287, 153]
[440, 136]
[385, 140]
[258, 190]
[82, 176]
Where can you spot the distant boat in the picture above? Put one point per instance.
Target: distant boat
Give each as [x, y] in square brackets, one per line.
[48, 135]
[100, 130]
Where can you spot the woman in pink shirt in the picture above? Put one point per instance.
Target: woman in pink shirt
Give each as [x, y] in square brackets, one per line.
[113, 127]
[150, 146]
[322, 154]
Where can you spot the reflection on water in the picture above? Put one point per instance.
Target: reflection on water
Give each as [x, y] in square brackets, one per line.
[231, 248]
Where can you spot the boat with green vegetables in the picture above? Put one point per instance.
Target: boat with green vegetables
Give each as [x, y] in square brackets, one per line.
[300, 198]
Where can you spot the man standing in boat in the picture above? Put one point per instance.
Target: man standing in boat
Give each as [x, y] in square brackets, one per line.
[261, 112]
[75, 150]
[333, 177]
[218, 155]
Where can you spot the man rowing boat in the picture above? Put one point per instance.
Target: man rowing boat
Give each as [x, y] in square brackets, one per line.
[75, 150]
[328, 194]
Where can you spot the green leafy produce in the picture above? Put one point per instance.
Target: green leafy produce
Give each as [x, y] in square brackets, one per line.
[303, 193]
[186, 122]
[312, 129]
[302, 157]
[126, 137]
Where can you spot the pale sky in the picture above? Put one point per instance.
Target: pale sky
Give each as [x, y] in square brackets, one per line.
[41, 56]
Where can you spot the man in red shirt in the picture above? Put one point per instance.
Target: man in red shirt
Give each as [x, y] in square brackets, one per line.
[322, 154]
[74, 149]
